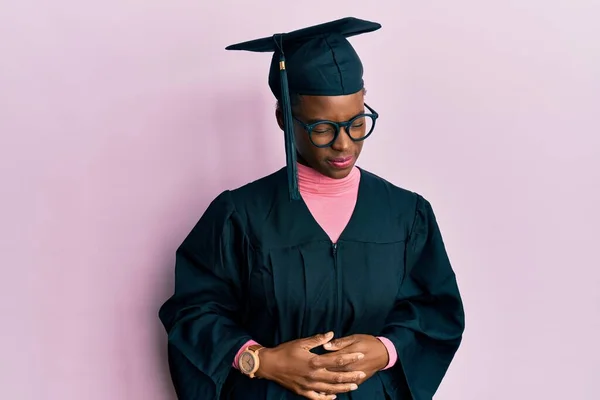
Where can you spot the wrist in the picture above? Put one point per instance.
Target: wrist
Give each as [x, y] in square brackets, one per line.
[383, 354]
[236, 360]
[249, 360]
[266, 364]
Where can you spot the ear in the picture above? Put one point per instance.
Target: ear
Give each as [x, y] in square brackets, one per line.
[279, 117]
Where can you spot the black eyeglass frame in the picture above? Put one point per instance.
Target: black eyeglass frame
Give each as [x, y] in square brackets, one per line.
[347, 125]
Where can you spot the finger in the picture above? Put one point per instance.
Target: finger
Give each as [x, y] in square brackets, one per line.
[327, 389]
[335, 360]
[317, 340]
[312, 395]
[340, 343]
[348, 368]
[326, 376]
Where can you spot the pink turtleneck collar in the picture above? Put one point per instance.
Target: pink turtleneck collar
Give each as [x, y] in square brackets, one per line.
[311, 182]
[330, 201]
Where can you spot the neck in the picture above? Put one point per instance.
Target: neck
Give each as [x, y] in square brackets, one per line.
[310, 181]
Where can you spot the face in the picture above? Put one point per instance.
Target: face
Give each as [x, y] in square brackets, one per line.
[337, 160]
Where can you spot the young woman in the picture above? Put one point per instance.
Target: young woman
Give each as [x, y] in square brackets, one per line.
[320, 280]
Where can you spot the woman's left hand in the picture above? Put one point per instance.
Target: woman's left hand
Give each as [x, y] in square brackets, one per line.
[375, 355]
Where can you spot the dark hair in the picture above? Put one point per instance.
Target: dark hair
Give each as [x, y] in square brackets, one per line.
[296, 99]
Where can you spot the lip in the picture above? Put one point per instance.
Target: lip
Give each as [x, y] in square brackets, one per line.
[341, 162]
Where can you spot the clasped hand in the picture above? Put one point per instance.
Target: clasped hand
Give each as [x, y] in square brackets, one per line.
[350, 361]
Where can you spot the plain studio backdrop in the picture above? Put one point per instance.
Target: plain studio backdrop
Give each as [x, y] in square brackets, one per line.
[121, 120]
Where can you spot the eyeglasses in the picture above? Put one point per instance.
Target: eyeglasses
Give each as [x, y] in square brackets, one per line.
[325, 133]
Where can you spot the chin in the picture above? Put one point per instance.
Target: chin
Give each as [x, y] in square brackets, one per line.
[337, 173]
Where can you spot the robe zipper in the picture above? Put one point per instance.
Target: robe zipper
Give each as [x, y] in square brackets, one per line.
[338, 291]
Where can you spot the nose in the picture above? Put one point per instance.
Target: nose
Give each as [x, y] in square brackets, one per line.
[343, 141]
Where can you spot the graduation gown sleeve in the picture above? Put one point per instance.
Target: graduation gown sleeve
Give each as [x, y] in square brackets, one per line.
[202, 317]
[427, 321]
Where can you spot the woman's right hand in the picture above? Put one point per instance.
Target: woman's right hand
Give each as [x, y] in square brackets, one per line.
[291, 365]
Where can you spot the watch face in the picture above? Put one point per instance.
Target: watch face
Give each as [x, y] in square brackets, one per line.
[247, 362]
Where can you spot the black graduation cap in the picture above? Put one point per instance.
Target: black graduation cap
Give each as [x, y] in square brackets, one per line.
[317, 61]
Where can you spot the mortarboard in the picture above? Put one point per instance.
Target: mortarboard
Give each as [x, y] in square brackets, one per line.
[317, 61]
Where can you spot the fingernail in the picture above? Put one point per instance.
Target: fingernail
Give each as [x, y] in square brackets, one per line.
[327, 345]
[361, 356]
[361, 375]
[353, 386]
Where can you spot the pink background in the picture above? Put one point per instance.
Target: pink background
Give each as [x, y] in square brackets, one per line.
[121, 120]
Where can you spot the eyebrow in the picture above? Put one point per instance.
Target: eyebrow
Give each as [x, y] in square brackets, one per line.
[313, 120]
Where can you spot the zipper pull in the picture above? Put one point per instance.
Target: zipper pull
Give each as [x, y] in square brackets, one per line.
[334, 248]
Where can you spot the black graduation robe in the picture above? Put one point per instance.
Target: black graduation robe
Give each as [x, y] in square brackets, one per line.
[257, 266]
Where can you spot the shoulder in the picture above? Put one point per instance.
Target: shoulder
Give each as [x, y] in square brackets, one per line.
[410, 207]
[260, 187]
[233, 200]
[402, 203]
[252, 199]
[250, 192]
[397, 197]
[259, 192]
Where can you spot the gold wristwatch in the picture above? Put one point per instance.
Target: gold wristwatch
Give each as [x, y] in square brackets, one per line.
[249, 362]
